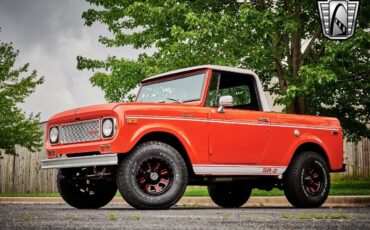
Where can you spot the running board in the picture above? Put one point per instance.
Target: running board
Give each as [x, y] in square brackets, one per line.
[238, 170]
[76, 162]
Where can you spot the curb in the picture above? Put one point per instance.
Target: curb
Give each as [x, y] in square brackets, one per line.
[266, 201]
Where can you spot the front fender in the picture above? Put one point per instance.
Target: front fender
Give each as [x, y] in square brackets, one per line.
[166, 128]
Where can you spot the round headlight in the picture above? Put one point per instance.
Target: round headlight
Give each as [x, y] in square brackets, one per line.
[53, 135]
[108, 127]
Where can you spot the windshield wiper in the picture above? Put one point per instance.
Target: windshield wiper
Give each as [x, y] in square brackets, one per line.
[190, 100]
[173, 99]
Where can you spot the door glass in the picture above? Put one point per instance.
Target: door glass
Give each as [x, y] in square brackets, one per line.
[239, 86]
[240, 93]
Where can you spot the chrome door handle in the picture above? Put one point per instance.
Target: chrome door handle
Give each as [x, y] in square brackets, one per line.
[264, 119]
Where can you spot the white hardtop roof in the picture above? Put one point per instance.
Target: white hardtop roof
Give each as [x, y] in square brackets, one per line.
[215, 67]
[262, 96]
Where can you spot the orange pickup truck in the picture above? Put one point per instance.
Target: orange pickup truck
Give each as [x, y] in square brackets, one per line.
[204, 125]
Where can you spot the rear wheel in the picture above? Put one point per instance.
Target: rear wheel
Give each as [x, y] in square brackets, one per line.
[230, 194]
[307, 181]
[81, 192]
[153, 176]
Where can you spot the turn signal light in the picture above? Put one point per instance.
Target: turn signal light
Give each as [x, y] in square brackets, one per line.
[132, 120]
[105, 148]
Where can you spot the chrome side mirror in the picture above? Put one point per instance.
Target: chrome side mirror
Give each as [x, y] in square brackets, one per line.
[224, 102]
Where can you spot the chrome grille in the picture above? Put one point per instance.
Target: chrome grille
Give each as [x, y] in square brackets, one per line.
[80, 131]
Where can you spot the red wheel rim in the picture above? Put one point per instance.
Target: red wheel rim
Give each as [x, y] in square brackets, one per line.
[154, 176]
[313, 179]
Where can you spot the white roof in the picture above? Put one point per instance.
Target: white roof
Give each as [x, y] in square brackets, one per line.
[262, 96]
[215, 67]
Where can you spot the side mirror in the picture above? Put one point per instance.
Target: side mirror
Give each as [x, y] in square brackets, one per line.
[225, 101]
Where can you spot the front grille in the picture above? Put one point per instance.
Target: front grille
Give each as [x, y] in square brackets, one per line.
[80, 131]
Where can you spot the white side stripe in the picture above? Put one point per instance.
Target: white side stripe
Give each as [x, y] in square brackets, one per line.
[230, 122]
[238, 170]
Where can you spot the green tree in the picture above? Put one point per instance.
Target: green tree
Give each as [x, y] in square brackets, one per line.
[16, 128]
[280, 40]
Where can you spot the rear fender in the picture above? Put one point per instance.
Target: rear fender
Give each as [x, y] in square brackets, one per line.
[303, 139]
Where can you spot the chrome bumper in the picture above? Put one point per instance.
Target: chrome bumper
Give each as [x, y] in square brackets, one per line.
[76, 162]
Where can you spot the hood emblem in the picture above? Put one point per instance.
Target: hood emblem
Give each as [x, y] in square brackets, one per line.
[92, 131]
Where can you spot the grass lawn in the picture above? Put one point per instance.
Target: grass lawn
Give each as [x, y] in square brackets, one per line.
[345, 187]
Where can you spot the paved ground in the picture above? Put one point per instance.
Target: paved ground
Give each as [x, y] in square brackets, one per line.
[62, 216]
[254, 201]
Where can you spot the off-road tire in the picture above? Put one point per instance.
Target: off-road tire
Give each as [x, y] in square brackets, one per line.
[229, 194]
[135, 185]
[297, 180]
[101, 193]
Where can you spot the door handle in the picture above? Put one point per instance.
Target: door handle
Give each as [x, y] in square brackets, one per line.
[264, 119]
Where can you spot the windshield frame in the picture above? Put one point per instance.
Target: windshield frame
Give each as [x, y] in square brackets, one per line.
[204, 87]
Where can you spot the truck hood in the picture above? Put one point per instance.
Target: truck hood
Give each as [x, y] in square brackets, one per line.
[107, 109]
[87, 111]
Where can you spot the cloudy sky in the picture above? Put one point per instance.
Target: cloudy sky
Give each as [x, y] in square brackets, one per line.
[50, 34]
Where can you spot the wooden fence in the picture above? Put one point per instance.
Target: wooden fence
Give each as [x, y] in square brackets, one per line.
[22, 174]
[357, 158]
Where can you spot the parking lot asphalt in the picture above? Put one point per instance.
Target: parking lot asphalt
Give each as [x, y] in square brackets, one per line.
[118, 216]
[265, 201]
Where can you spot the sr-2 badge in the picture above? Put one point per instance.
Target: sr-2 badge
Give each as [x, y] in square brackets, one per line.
[338, 18]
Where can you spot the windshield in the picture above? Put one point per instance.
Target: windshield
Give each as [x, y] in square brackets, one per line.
[178, 90]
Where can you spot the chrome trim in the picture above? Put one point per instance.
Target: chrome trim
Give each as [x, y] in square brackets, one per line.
[197, 120]
[225, 170]
[306, 127]
[75, 162]
[230, 122]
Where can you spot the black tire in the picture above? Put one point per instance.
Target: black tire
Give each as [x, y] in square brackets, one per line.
[77, 192]
[307, 180]
[230, 194]
[152, 176]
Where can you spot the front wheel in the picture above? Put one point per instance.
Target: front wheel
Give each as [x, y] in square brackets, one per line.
[307, 180]
[229, 194]
[152, 176]
[79, 191]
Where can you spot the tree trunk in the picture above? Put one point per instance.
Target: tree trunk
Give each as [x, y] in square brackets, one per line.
[298, 104]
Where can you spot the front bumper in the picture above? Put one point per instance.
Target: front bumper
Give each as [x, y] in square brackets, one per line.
[76, 162]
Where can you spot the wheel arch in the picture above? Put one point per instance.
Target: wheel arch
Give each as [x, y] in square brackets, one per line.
[171, 138]
[311, 146]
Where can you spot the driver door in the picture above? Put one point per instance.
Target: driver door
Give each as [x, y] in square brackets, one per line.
[239, 134]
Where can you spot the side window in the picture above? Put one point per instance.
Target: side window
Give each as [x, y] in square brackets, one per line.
[239, 86]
